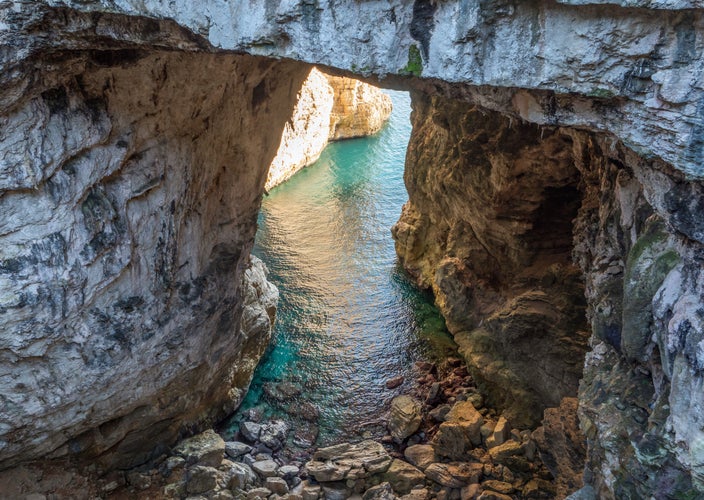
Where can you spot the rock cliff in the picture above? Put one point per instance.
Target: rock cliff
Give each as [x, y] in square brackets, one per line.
[133, 159]
[130, 311]
[328, 108]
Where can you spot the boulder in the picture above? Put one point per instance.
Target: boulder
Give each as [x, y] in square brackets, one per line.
[276, 485]
[420, 455]
[502, 431]
[460, 432]
[206, 448]
[262, 493]
[417, 494]
[265, 468]
[454, 475]
[403, 476]
[382, 491]
[349, 461]
[393, 383]
[273, 435]
[405, 417]
[498, 486]
[504, 451]
[236, 449]
[200, 479]
[242, 475]
[250, 431]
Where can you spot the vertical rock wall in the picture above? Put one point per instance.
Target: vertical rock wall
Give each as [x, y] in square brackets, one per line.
[328, 108]
[129, 191]
[511, 225]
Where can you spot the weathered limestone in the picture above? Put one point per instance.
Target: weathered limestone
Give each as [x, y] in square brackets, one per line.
[328, 108]
[130, 308]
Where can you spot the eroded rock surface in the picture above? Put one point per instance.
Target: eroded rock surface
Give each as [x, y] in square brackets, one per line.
[130, 307]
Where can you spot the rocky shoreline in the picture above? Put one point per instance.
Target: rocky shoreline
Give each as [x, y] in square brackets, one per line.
[442, 443]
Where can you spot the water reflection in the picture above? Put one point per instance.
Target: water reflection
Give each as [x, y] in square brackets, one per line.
[348, 317]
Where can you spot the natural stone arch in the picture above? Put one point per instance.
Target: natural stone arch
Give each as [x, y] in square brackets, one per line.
[640, 105]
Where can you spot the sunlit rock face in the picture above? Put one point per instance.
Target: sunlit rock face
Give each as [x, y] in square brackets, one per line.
[328, 108]
[130, 183]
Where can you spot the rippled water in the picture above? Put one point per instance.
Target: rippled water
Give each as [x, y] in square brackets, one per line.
[348, 317]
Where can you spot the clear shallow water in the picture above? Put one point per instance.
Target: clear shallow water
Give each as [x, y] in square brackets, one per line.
[348, 317]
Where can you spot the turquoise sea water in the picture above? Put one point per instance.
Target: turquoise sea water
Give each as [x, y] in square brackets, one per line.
[348, 319]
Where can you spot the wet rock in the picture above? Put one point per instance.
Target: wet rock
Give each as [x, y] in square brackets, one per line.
[281, 391]
[460, 432]
[420, 455]
[306, 437]
[265, 468]
[250, 431]
[307, 411]
[454, 475]
[403, 476]
[382, 491]
[207, 448]
[200, 479]
[354, 461]
[405, 417]
[236, 449]
[276, 485]
[393, 383]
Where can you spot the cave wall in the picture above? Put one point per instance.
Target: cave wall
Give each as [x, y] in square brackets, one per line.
[488, 229]
[512, 226]
[129, 195]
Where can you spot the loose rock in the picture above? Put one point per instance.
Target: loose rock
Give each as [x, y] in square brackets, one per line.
[405, 417]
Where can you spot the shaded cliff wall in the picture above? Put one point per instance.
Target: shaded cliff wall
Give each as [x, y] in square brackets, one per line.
[488, 229]
[512, 225]
[328, 108]
[129, 190]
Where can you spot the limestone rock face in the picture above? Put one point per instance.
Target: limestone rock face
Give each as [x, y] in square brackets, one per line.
[488, 229]
[328, 108]
[130, 309]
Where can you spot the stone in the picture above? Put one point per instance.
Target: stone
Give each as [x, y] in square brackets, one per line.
[311, 492]
[273, 434]
[235, 449]
[306, 437]
[242, 476]
[493, 495]
[335, 491]
[417, 494]
[261, 493]
[381, 491]
[454, 475]
[281, 391]
[393, 383]
[139, 480]
[469, 492]
[207, 448]
[460, 432]
[433, 393]
[405, 417]
[498, 486]
[250, 431]
[348, 461]
[276, 485]
[509, 449]
[403, 477]
[265, 468]
[502, 431]
[200, 479]
[420, 455]
[439, 414]
[288, 471]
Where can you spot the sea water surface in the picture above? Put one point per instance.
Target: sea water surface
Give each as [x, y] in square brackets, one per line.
[349, 318]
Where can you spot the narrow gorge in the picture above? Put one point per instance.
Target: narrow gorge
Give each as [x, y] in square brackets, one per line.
[554, 175]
